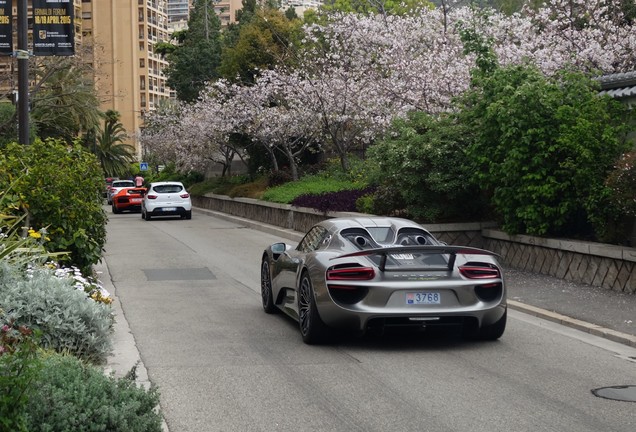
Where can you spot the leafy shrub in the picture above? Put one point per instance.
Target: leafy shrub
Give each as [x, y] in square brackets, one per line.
[421, 165]
[387, 201]
[253, 189]
[61, 190]
[622, 184]
[358, 172]
[543, 147]
[341, 201]
[69, 395]
[19, 364]
[69, 321]
[170, 173]
[278, 177]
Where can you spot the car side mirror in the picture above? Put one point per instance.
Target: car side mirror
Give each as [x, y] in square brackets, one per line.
[279, 248]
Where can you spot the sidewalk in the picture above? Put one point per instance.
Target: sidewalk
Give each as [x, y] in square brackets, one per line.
[595, 310]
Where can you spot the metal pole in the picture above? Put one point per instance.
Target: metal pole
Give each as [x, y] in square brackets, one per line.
[23, 74]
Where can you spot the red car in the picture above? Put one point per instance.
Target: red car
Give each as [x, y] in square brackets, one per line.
[128, 199]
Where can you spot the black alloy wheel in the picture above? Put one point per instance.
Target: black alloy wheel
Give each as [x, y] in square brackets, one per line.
[266, 288]
[312, 329]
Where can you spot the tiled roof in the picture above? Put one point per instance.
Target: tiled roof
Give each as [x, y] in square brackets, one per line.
[619, 86]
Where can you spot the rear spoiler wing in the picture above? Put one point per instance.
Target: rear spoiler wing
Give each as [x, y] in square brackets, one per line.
[452, 251]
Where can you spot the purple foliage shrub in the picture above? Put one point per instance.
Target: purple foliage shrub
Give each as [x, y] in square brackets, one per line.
[341, 201]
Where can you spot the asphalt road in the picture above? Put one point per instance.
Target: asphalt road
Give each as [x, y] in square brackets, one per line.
[221, 364]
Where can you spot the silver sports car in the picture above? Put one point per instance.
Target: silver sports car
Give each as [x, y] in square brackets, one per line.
[379, 273]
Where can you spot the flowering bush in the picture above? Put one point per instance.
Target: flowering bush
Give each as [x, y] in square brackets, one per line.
[59, 306]
[87, 284]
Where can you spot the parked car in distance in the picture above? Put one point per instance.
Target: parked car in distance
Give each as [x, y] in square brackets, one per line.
[128, 199]
[116, 186]
[167, 198]
[108, 182]
[380, 274]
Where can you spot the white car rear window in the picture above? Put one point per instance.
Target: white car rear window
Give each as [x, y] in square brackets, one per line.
[168, 189]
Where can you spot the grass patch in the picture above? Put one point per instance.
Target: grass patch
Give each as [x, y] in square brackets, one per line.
[314, 184]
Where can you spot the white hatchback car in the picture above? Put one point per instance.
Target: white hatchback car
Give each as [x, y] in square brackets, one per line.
[167, 198]
[116, 186]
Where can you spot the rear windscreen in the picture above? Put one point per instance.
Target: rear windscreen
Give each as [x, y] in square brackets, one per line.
[168, 189]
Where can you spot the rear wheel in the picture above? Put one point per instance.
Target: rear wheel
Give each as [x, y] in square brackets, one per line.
[266, 288]
[312, 328]
[146, 215]
[114, 209]
[188, 214]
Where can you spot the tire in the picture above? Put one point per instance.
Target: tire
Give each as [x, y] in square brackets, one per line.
[493, 331]
[146, 215]
[188, 214]
[266, 288]
[114, 209]
[312, 329]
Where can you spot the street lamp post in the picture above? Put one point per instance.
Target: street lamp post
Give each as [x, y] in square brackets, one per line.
[23, 74]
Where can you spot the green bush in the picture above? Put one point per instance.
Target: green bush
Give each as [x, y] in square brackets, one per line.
[69, 395]
[19, 364]
[422, 167]
[69, 321]
[622, 184]
[61, 190]
[543, 147]
[170, 173]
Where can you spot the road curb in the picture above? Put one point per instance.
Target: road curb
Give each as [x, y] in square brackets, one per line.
[125, 354]
[594, 329]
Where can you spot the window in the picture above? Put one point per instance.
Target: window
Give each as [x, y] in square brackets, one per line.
[312, 239]
[142, 63]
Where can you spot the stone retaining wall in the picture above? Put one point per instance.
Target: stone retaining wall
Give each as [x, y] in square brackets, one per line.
[607, 266]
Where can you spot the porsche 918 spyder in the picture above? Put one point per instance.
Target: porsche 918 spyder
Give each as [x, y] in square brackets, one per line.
[382, 273]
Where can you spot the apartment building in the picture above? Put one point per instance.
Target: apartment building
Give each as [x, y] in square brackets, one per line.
[8, 64]
[226, 10]
[128, 73]
[178, 10]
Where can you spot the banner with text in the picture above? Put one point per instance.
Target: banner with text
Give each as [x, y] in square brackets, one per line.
[6, 28]
[53, 31]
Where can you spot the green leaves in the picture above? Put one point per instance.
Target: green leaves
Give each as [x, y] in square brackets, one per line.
[60, 190]
[423, 161]
[543, 147]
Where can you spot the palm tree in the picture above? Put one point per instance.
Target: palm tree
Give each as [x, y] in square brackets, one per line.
[64, 102]
[114, 156]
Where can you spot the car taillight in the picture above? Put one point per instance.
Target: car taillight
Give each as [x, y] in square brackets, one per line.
[479, 271]
[184, 196]
[152, 196]
[351, 273]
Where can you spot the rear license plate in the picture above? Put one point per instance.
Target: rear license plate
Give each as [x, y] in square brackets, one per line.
[168, 209]
[135, 200]
[419, 298]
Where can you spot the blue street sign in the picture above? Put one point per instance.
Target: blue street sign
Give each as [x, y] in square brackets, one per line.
[143, 166]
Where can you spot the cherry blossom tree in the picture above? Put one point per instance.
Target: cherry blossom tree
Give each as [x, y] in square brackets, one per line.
[356, 73]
